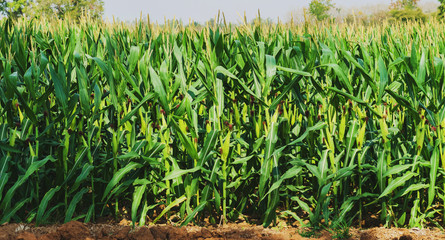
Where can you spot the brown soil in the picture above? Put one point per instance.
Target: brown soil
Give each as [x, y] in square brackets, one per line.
[76, 230]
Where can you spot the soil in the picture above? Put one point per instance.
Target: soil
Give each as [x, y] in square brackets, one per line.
[77, 230]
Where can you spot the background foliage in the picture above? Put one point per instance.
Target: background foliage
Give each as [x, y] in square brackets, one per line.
[73, 9]
[320, 9]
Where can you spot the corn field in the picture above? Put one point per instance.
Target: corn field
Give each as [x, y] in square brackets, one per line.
[323, 124]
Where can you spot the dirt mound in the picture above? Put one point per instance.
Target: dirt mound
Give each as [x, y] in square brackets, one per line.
[76, 231]
[26, 236]
[401, 234]
[70, 230]
[80, 231]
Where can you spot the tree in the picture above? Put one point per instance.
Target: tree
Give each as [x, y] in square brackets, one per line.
[407, 14]
[406, 10]
[68, 8]
[14, 8]
[404, 4]
[320, 8]
[441, 8]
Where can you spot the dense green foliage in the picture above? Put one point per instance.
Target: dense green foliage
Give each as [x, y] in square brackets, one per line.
[330, 124]
[67, 8]
[62, 9]
[407, 14]
[399, 4]
[320, 9]
[441, 9]
[13, 9]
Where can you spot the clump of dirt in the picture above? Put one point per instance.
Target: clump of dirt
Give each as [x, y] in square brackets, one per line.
[26, 236]
[81, 231]
[70, 230]
[401, 234]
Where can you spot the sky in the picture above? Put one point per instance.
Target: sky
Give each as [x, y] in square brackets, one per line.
[203, 10]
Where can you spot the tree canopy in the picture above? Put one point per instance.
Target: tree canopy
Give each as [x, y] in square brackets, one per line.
[441, 8]
[320, 8]
[71, 8]
[13, 9]
[407, 4]
[48, 8]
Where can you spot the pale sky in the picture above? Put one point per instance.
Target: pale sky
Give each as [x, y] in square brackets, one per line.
[203, 10]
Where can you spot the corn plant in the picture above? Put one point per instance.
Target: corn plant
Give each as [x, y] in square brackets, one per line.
[330, 123]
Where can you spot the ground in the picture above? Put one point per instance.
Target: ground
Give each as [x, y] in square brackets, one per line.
[76, 230]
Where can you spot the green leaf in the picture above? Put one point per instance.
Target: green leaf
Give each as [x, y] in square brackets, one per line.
[60, 89]
[226, 147]
[179, 172]
[343, 172]
[128, 78]
[73, 204]
[159, 89]
[316, 127]
[8, 148]
[266, 167]
[242, 160]
[303, 205]
[118, 176]
[400, 181]
[291, 173]
[170, 206]
[421, 72]
[29, 112]
[44, 203]
[193, 214]
[209, 145]
[133, 58]
[363, 72]
[414, 187]
[109, 74]
[82, 81]
[4, 164]
[286, 90]
[403, 101]
[22, 179]
[323, 167]
[137, 197]
[221, 69]
[342, 76]
[358, 100]
[271, 71]
[80, 155]
[135, 109]
[350, 139]
[10, 212]
[219, 94]
[185, 141]
[182, 78]
[381, 169]
[433, 175]
[87, 168]
[155, 149]
[383, 79]
[295, 71]
[397, 169]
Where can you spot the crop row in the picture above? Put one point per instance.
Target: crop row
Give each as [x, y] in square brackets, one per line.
[328, 124]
